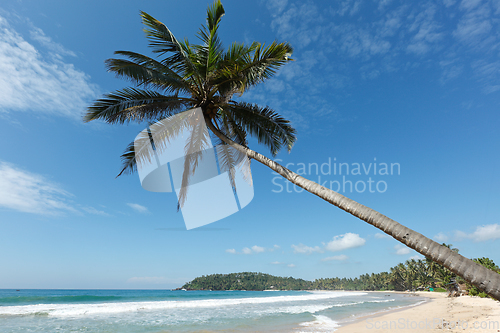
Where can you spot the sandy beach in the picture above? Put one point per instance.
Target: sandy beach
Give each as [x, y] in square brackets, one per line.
[440, 313]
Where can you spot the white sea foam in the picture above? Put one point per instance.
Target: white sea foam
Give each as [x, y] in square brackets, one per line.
[72, 310]
[320, 324]
[296, 309]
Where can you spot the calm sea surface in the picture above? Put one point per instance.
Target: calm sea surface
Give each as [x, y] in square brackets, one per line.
[138, 311]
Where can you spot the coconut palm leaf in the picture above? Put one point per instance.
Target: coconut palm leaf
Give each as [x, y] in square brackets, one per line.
[131, 104]
[147, 72]
[265, 124]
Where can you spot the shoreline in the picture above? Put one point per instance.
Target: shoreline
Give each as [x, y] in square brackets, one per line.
[363, 317]
[437, 312]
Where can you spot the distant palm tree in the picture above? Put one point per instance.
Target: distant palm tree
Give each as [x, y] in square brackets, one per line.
[207, 76]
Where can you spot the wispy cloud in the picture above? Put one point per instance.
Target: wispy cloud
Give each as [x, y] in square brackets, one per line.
[253, 250]
[425, 32]
[37, 79]
[58, 50]
[301, 248]
[341, 43]
[276, 6]
[488, 73]
[475, 23]
[451, 69]
[31, 193]
[94, 211]
[348, 7]
[340, 257]
[482, 233]
[28, 192]
[138, 208]
[297, 22]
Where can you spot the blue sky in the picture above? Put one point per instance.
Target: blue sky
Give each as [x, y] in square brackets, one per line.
[412, 84]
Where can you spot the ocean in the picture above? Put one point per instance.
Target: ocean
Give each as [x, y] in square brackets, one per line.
[141, 311]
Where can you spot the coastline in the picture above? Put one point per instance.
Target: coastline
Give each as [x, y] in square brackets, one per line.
[454, 314]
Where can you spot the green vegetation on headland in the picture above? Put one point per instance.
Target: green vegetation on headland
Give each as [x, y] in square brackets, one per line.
[246, 281]
[411, 275]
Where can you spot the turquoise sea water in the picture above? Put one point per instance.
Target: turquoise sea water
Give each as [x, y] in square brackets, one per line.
[138, 311]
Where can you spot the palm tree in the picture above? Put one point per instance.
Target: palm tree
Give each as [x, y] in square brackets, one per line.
[188, 75]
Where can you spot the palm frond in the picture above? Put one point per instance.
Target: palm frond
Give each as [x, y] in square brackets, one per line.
[146, 71]
[265, 124]
[137, 105]
[232, 129]
[214, 15]
[209, 54]
[129, 163]
[261, 66]
[162, 41]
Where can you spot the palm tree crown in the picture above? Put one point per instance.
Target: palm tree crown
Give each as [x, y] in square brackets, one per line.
[185, 76]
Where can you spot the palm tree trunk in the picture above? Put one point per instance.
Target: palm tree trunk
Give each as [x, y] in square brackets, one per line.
[474, 273]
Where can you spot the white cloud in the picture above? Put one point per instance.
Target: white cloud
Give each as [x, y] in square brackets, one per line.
[298, 24]
[488, 72]
[382, 236]
[475, 24]
[38, 81]
[246, 250]
[426, 29]
[38, 35]
[275, 86]
[31, 193]
[482, 233]
[253, 249]
[138, 208]
[401, 250]
[360, 42]
[350, 7]
[469, 4]
[451, 70]
[94, 211]
[491, 88]
[291, 265]
[339, 243]
[341, 257]
[258, 249]
[301, 248]
[345, 241]
[276, 6]
[440, 237]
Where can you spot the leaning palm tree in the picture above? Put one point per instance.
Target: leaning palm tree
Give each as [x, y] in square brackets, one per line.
[207, 76]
